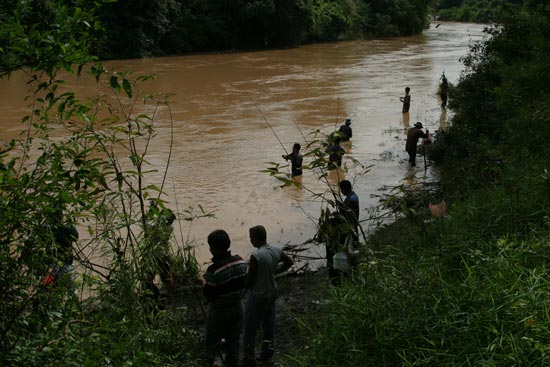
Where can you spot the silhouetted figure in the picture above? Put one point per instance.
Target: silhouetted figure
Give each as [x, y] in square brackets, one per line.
[295, 160]
[224, 285]
[345, 130]
[406, 99]
[443, 90]
[343, 235]
[413, 135]
[335, 152]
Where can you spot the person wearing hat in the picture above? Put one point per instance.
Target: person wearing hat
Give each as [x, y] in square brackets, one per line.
[413, 134]
[345, 130]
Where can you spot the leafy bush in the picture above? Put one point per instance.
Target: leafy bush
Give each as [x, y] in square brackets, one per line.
[471, 288]
[85, 164]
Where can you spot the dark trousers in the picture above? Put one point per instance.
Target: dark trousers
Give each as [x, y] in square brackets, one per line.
[412, 156]
[260, 312]
[224, 323]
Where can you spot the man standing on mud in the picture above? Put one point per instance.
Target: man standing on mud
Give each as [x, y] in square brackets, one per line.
[413, 134]
[224, 283]
[265, 262]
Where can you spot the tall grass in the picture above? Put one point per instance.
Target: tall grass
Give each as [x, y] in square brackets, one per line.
[489, 308]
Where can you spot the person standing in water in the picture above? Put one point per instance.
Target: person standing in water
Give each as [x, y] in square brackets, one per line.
[335, 152]
[345, 130]
[413, 134]
[443, 89]
[406, 100]
[295, 160]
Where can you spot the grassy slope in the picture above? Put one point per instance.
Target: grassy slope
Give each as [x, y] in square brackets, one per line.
[471, 289]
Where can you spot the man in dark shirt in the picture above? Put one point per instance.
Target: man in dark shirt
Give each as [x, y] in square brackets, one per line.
[406, 99]
[224, 284]
[350, 207]
[346, 222]
[296, 160]
[335, 154]
[345, 130]
[443, 90]
[413, 134]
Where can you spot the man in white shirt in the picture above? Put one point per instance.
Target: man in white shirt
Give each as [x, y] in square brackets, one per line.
[265, 262]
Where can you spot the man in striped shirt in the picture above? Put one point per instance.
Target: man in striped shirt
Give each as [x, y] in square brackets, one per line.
[223, 287]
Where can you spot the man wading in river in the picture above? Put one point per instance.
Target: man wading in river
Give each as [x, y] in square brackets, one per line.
[345, 130]
[413, 134]
[295, 160]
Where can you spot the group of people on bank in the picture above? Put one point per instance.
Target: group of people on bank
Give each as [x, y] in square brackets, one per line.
[223, 284]
[229, 276]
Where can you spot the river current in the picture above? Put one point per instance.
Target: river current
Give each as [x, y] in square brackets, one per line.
[234, 112]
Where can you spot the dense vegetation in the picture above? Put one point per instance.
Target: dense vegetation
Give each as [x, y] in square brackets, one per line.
[133, 29]
[151, 28]
[82, 162]
[481, 11]
[473, 288]
[469, 289]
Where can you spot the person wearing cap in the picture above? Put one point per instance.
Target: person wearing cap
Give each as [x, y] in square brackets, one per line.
[413, 134]
[345, 130]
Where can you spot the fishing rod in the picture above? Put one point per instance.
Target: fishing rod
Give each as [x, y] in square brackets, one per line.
[271, 127]
[336, 196]
[300, 130]
[337, 113]
[333, 192]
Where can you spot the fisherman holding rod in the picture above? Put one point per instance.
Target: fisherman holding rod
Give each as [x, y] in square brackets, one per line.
[295, 159]
[413, 134]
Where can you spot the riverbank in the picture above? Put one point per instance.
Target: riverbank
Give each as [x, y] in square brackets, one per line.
[301, 298]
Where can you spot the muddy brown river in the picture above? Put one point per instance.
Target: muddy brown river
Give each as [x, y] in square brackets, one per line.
[222, 138]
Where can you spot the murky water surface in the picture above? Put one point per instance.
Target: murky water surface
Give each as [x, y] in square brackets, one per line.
[222, 139]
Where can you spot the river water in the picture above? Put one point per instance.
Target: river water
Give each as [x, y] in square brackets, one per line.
[232, 111]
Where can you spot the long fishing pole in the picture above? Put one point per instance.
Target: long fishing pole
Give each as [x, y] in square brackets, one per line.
[337, 113]
[271, 127]
[318, 176]
[300, 130]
